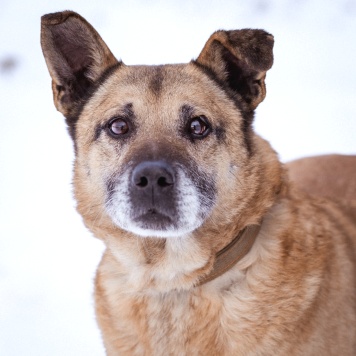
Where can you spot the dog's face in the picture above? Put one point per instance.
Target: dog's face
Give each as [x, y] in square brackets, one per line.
[155, 145]
[155, 148]
[159, 149]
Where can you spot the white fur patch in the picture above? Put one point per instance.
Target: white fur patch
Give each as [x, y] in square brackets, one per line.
[190, 211]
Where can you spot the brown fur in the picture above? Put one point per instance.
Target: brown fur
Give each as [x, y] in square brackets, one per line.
[293, 293]
[331, 176]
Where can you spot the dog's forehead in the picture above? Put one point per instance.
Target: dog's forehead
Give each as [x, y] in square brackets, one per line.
[159, 89]
[159, 79]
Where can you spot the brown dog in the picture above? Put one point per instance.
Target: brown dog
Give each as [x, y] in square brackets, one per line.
[209, 249]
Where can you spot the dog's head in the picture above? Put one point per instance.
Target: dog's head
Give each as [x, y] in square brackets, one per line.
[161, 151]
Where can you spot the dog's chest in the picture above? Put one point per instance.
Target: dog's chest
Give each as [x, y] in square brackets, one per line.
[173, 323]
[199, 322]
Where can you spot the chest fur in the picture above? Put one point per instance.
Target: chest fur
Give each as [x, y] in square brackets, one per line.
[220, 318]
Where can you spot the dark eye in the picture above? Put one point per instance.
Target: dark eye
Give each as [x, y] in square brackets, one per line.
[118, 127]
[199, 126]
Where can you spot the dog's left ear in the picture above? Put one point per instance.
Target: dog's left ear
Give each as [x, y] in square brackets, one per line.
[76, 58]
[240, 59]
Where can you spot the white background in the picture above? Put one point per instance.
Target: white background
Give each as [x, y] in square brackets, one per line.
[47, 257]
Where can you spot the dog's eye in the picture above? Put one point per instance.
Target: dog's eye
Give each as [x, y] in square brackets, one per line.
[199, 126]
[118, 127]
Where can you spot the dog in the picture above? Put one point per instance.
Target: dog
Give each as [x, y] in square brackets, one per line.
[210, 250]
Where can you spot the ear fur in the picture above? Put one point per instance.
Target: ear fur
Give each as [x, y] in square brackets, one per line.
[76, 58]
[240, 59]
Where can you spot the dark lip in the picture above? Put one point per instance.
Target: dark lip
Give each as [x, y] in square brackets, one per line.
[153, 219]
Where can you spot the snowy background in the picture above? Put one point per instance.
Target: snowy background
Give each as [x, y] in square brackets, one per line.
[47, 258]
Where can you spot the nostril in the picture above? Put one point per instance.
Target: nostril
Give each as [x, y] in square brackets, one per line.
[152, 174]
[162, 182]
[142, 182]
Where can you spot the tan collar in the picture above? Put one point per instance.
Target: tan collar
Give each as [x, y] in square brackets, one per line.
[233, 252]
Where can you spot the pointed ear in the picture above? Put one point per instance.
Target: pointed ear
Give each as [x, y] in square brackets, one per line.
[240, 59]
[76, 58]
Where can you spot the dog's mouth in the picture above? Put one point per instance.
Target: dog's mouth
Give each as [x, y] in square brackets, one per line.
[153, 219]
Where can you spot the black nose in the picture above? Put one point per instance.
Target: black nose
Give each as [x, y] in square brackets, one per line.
[152, 174]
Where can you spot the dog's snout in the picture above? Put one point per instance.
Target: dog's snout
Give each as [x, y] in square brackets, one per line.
[153, 174]
[152, 192]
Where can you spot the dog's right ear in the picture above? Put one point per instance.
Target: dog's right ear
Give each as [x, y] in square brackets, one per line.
[76, 58]
[240, 59]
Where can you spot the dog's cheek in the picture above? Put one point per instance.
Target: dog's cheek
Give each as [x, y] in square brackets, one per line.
[88, 184]
[188, 202]
[117, 202]
[227, 191]
[94, 165]
[198, 193]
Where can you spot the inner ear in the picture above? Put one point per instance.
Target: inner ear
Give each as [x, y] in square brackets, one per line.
[74, 65]
[74, 49]
[77, 50]
[240, 77]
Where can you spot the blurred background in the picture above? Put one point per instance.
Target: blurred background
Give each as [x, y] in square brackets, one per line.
[47, 257]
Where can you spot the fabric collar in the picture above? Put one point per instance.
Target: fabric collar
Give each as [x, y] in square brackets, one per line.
[233, 252]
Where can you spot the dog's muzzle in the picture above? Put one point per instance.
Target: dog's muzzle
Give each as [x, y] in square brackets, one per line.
[159, 198]
[152, 192]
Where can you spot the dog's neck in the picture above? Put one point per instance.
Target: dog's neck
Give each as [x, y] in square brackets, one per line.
[232, 253]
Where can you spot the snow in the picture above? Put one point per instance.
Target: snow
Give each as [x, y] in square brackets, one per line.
[47, 257]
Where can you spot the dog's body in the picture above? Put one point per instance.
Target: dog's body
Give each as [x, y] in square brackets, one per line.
[168, 172]
[328, 176]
